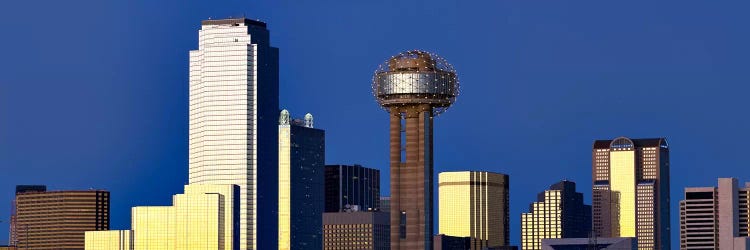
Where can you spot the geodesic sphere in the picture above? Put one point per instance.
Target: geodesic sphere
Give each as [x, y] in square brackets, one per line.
[416, 77]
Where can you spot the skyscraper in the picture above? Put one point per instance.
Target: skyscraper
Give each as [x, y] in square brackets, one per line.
[475, 204]
[351, 185]
[631, 190]
[301, 183]
[715, 217]
[559, 212]
[234, 105]
[59, 219]
[413, 86]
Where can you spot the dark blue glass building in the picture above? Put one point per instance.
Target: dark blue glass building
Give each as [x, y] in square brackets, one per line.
[351, 187]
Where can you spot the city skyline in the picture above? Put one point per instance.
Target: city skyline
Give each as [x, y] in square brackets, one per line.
[159, 125]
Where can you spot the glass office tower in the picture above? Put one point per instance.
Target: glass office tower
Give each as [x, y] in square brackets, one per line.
[301, 196]
[631, 190]
[234, 103]
[475, 204]
[351, 185]
[559, 212]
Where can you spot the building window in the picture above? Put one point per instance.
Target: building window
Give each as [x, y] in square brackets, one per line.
[402, 225]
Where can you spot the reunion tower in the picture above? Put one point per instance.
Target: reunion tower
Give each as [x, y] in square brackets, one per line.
[414, 87]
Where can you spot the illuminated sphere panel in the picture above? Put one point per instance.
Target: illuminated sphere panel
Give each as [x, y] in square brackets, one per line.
[413, 78]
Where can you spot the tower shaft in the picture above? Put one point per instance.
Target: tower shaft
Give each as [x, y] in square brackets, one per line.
[411, 177]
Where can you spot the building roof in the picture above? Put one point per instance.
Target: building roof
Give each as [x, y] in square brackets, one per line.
[242, 20]
[646, 142]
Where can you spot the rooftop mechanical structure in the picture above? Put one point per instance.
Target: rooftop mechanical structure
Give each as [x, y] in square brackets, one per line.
[413, 86]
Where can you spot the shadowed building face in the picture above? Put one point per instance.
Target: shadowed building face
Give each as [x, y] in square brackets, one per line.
[413, 87]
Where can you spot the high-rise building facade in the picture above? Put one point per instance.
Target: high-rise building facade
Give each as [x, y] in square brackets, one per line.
[204, 217]
[234, 103]
[301, 183]
[59, 219]
[475, 204]
[362, 230]
[631, 190]
[559, 212]
[13, 232]
[414, 87]
[351, 185]
[715, 217]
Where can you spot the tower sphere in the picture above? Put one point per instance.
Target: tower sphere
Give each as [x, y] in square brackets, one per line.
[414, 78]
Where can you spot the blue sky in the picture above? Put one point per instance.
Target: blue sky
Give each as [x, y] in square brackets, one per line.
[93, 94]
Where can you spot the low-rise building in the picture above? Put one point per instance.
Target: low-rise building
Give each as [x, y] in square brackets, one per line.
[356, 230]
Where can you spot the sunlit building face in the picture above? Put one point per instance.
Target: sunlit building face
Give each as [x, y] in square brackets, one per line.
[631, 190]
[474, 204]
[204, 217]
[109, 240]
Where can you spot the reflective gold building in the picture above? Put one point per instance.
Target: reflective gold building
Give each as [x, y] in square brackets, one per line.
[631, 190]
[301, 183]
[559, 212]
[153, 227]
[204, 217]
[109, 240]
[474, 204]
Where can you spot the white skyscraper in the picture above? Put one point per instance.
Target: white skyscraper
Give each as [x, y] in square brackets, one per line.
[234, 105]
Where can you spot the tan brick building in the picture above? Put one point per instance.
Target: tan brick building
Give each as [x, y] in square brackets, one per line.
[58, 219]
